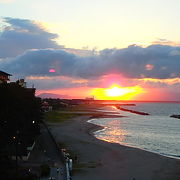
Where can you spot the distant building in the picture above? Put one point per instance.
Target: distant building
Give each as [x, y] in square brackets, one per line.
[82, 101]
[90, 98]
[4, 77]
[46, 107]
[21, 82]
[77, 101]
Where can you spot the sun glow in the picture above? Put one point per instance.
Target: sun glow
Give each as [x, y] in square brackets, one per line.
[116, 92]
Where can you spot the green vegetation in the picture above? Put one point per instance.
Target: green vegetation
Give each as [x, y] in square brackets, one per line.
[78, 167]
[65, 115]
[81, 167]
[20, 114]
[72, 154]
[68, 113]
[86, 107]
[45, 170]
[62, 116]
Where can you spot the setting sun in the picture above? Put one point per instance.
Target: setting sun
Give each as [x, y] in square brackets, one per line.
[116, 92]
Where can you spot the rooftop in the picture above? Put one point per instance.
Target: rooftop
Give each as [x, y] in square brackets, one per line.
[4, 73]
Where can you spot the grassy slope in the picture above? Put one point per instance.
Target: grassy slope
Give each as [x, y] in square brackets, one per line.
[79, 110]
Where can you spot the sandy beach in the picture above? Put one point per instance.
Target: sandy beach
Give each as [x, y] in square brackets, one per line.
[100, 160]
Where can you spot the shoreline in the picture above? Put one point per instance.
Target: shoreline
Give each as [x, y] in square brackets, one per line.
[130, 146]
[104, 160]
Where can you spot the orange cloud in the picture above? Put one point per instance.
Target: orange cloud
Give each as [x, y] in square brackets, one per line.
[166, 42]
[166, 81]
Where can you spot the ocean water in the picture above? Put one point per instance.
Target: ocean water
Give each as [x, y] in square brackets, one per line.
[156, 133]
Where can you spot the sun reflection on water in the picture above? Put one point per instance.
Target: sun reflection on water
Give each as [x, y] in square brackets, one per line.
[112, 133]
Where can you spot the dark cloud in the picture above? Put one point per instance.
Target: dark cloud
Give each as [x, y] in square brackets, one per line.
[156, 61]
[34, 52]
[40, 62]
[132, 62]
[19, 35]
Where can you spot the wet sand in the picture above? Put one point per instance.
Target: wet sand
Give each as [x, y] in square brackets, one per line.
[100, 160]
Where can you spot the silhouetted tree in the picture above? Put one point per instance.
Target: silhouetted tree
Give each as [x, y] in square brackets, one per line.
[20, 113]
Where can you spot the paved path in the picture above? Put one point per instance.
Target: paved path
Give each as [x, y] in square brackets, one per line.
[47, 152]
[55, 174]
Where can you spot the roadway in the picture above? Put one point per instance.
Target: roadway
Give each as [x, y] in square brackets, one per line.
[46, 151]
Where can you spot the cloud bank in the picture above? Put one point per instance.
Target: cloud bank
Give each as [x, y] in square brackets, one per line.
[33, 51]
[28, 50]
[19, 35]
[156, 61]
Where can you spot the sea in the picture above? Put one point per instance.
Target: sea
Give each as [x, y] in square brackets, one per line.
[157, 132]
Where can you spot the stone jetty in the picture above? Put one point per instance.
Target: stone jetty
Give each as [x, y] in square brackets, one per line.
[132, 111]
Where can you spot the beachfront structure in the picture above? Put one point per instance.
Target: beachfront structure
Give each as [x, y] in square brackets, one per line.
[21, 82]
[46, 107]
[4, 77]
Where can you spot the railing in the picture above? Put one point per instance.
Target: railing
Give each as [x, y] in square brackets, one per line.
[64, 156]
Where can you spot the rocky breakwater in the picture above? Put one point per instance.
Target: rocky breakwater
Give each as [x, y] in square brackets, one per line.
[132, 111]
[175, 116]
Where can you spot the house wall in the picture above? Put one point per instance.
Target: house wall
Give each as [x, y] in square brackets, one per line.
[3, 78]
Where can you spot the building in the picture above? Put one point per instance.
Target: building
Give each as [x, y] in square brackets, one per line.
[21, 82]
[4, 77]
[46, 107]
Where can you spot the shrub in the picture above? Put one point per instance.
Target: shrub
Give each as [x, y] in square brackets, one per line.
[45, 170]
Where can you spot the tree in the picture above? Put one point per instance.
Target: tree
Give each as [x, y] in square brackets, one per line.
[20, 114]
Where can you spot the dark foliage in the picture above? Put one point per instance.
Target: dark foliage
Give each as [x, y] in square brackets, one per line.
[45, 170]
[20, 113]
[57, 103]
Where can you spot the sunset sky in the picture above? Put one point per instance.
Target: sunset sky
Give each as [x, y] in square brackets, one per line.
[109, 49]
